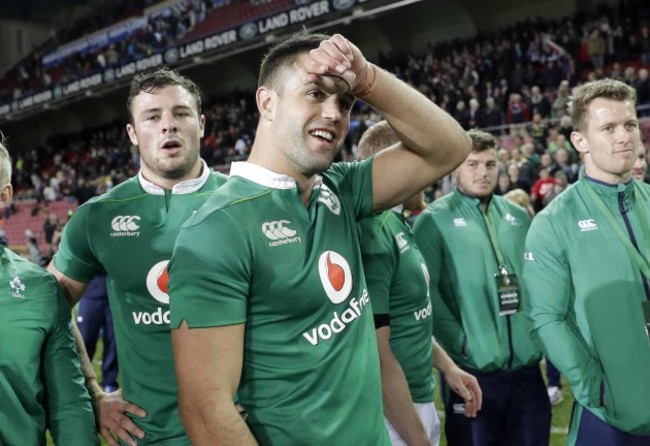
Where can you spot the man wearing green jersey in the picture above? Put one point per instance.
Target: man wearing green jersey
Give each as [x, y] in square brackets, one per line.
[41, 385]
[473, 244]
[398, 286]
[586, 272]
[268, 297]
[130, 232]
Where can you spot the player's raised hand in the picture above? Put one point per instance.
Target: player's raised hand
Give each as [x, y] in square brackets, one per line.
[342, 67]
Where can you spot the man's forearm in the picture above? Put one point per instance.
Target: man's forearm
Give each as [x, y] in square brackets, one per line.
[215, 427]
[415, 118]
[398, 404]
[87, 369]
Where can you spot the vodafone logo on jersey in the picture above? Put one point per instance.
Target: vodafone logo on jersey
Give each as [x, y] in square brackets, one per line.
[158, 282]
[158, 286]
[336, 276]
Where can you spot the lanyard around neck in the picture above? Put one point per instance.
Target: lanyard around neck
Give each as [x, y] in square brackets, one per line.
[493, 238]
[639, 259]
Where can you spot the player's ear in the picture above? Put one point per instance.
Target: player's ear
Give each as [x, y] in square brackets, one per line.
[5, 195]
[579, 142]
[130, 130]
[266, 100]
[202, 125]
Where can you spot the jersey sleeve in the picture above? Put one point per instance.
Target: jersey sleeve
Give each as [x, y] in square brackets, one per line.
[209, 274]
[378, 262]
[75, 257]
[547, 285]
[69, 408]
[447, 327]
[355, 184]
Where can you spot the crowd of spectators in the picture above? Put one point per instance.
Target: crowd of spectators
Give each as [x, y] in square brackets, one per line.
[163, 29]
[515, 83]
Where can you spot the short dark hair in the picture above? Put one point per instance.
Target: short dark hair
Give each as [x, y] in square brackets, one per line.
[152, 81]
[482, 141]
[285, 53]
[602, 88]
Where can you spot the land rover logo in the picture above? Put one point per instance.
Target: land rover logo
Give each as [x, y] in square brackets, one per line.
[343, 4]
[248, 30]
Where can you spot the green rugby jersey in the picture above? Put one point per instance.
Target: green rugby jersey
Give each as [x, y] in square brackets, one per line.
[454, 240]
[586, 296]
[130, 232]
[255, 254]
[398, 285]
[41, 385]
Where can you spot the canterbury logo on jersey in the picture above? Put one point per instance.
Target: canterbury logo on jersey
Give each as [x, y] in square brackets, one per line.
[125, 226]
[279, 232]
[587, 225]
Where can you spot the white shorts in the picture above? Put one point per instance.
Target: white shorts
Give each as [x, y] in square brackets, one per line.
[429, 417]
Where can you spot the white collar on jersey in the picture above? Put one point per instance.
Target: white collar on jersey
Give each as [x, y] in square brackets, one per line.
[265, 177]
[184, 187]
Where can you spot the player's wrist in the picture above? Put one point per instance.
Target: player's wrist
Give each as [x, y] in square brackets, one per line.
[366, 80]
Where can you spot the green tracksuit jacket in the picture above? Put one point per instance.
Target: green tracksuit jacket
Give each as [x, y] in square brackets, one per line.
[41, 386]
[454, 240]
[585, 296]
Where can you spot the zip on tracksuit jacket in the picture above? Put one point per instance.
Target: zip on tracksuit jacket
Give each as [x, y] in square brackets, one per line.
[585, 297]
[454, 240]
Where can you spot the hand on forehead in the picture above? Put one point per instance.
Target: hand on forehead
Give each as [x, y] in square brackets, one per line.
[335, 60]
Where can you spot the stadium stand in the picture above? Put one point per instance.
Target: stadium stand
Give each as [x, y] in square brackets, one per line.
[524, 68]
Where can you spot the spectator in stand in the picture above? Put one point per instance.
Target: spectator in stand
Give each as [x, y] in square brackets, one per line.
[50, 226]
[461, 114]
[476, 115]
[493, 115]
[644, 45]
[518, 112]
[563, 164]
[561, 142]
[640, 168]
[558, 108]
[538, 130]
[503, 159]
[565, 127]
[538, 103]
[528, 167]
[33, 251]
[503, 184]
[542, 188]
[642, 87]
[561, 183]
[596, 47]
